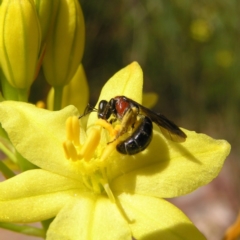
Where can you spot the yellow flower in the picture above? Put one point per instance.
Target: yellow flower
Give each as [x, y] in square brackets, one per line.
[99, 193]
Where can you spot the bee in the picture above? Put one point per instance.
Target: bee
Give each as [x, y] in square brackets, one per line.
[129, 112]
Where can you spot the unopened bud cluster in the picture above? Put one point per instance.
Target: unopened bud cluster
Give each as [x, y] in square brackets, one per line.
[40, 32]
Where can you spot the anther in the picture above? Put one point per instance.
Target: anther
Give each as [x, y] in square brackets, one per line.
[76, 130]
[73, 130]
[69, 128]
[70, 150]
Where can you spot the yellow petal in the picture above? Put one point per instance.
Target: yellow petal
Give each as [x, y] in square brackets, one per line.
[169, 169]
[128, 82]
[89, 217]
[35, 195]
[153, 218]
[33, 209]
[36, 182]
[38, 135]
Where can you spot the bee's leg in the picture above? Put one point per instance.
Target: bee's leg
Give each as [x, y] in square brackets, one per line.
[112, 120]
[128, 120]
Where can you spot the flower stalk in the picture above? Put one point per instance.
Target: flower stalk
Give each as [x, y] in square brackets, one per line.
[6, 171]
[58, 94]
[9, 92]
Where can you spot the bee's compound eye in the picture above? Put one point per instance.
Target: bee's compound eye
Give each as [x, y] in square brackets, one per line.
[112, 104]
[104, 110]
[101, 108]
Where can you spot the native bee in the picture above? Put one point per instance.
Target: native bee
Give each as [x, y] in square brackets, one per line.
[128, 112]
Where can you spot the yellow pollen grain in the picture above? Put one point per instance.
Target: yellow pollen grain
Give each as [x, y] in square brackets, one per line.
[91, 144]
[70, 150]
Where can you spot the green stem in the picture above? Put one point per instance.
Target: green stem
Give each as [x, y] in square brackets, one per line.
[58, 93]
[24, 229]
[23, 95]
[7, 172]
[5, 148]
[9, 92]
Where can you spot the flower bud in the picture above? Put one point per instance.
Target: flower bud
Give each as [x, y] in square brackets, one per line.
[46, 11]
[65, 44]
[20, 42]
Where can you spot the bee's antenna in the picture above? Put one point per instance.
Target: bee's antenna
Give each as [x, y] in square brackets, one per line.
[88, 110]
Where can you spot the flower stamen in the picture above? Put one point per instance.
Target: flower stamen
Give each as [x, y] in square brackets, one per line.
[70, 150]
[73, 130]
[112, 145]
[107, 126]
[109, 192]
[91, 144]
[93, 160]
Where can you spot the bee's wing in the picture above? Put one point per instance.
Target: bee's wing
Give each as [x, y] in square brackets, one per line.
[169, 129]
